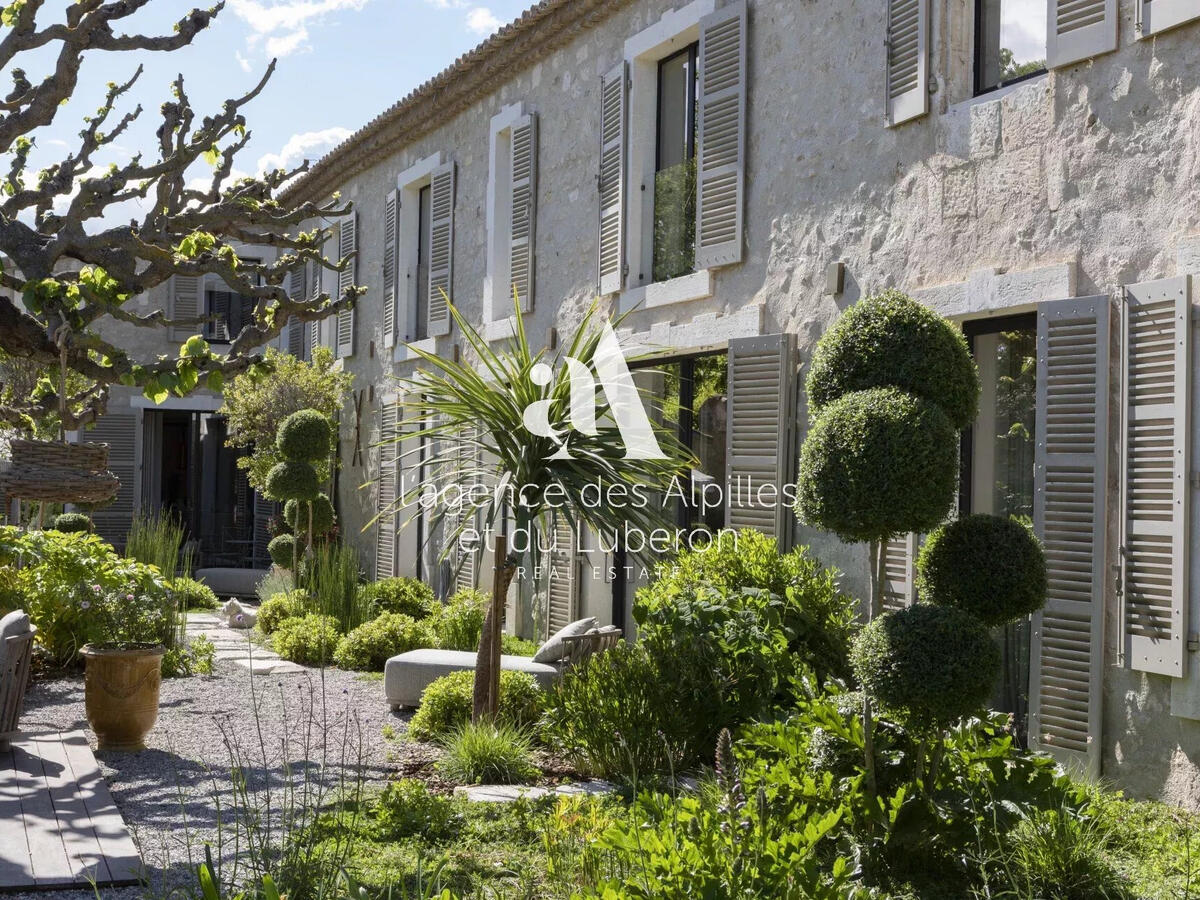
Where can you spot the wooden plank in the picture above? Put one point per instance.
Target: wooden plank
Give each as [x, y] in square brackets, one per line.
[16, 867]
[47, 853]
[74, 824]
[121, 854]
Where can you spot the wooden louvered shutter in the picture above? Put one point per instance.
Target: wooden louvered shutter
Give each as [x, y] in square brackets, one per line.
[907, 60]
[347, 247]
[121, 432]
[900, 572]
[391, 244]
[562, 581]
[388, 489]
[1070, 517]
[721, 141]
[466, 565]
[524, 210]
[1079, 29]
[185, 302]
[614, 92]
[760, 441]
[1154, 496]
[1155, 16]
[441, 250]
[315, 277]
[296, 328]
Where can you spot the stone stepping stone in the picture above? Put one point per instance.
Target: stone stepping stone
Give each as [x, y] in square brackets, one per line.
[507, 793]
[263, 666]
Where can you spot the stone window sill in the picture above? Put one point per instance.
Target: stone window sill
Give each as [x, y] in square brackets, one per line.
[407, 352]
[684, 289]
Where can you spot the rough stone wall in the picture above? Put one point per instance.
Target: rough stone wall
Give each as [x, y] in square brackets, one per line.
[1075, 182]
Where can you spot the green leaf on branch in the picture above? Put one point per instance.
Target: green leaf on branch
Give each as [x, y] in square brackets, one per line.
[195, 347]
[155, 392]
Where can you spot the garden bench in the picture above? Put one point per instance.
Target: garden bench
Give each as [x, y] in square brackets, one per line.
[16, 654]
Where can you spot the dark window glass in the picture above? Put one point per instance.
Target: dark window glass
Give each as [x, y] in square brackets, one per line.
[424, 248]
[1010, 41]
[675, 178]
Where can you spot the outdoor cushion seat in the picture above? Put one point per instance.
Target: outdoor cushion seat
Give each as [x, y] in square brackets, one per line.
[406, 676]
[232, 582]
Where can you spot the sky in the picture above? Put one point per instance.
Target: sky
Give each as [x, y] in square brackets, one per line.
[340, 63]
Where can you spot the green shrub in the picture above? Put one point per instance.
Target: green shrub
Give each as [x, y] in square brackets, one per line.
[927, 665]
[332, 579]
[818, 619]
[193, 594]
[487, 753]
[511, 645]
[370, 645]
[288, 605]
[446, 704]
[460, 622]
[305, 435]
[195, 659]
[877, 463]
[293, 480]
[69, 523]
[1062, 854]
[309, 640]
[890, 340]
[322, 515]
[285, 549]
[990, 566]
[405, 809]
[401, 595]
[274, 582]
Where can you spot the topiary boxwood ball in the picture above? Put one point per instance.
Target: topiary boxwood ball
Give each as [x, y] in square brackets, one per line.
[322, 515]
[306, 434]
[891, 340]
[878, 463]
[293, 479]
[72, 522]
[284, 550]
[989, 566]
[928, 665]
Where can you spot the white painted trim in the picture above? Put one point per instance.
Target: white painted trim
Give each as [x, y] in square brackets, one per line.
[656, 40]
[196, 403]
[695, 286]
[500, 330]
[499, 212]
[403, 353]
[710, 331]
[409, 184]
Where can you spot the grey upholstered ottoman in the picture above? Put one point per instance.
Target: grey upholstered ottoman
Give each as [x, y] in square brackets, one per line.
[406, 676]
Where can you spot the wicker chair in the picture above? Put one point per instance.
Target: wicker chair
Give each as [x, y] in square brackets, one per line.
[14, 679]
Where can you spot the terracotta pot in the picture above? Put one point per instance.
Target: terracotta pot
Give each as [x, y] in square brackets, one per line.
[121, 694]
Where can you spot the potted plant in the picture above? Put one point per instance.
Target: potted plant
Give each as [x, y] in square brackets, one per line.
[124, 663]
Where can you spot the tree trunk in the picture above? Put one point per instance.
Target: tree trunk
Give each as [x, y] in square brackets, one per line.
[487, 661]
[878, 554]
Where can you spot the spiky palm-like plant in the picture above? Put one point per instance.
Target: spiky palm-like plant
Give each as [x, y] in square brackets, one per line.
[474, 416]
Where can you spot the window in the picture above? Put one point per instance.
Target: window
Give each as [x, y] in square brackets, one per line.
[1010, 42]
[424, 248]
[230, 313]
[675, 169]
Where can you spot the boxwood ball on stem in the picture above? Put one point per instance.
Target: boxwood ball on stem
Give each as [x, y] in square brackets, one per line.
[306, 434]
[891, 340]
[283, 550]
[293, 479]
[295, 513]
[990, 566]
[878, 463]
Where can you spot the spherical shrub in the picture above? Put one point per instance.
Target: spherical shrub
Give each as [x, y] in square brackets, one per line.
[284, 550]
[193, 594]
[460, 622]
[370, 645]
[891, 340]
[295, 514]
[293, 480]
[990, 566]
[305, 435]
[927, 665]
[403, 595]
[446, 704]
[72, 522]
[274, 610]
[309, 640]
[878, 463]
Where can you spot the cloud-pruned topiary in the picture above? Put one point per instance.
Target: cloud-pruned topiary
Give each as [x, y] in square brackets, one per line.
[306, 435]
[877, 463]
[928, 665]
[283, 550]
[293, 480]
[72, 522]
[891, 340]
[322, 515]
[990, 566]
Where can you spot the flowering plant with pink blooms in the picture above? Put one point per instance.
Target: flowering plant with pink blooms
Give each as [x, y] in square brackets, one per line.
[126, 618]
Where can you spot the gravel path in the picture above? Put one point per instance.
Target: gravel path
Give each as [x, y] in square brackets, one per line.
[166, 792]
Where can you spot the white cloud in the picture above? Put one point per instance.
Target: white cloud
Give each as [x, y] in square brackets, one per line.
[283, 24]
[303, 146]
[242, 61]
[483, 21]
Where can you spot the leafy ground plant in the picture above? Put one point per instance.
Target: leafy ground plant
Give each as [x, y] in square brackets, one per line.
[487, 753]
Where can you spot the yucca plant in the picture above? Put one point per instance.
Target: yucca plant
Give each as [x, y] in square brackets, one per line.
[478, 415]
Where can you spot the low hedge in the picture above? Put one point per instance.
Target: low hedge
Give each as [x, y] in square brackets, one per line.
[273, 611]
[370, 645]
[309, 640]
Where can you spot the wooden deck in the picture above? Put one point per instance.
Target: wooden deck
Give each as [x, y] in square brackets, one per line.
[59, 827]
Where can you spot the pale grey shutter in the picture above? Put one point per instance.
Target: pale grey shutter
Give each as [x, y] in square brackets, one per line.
[296, 328]
[900, 572]
[907, 60]
[1070, 517]
[120, 431]
[524, 211]
[315, 278]
[562, 582]
[385, 497]
[760, 441]
[391, 243]
[1079, 29]
[441, 250]
[185, 303]
[1155, 16]
[347, 278]
[1157, 368]
[721, 141]
[611, 181]
[467, 457]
